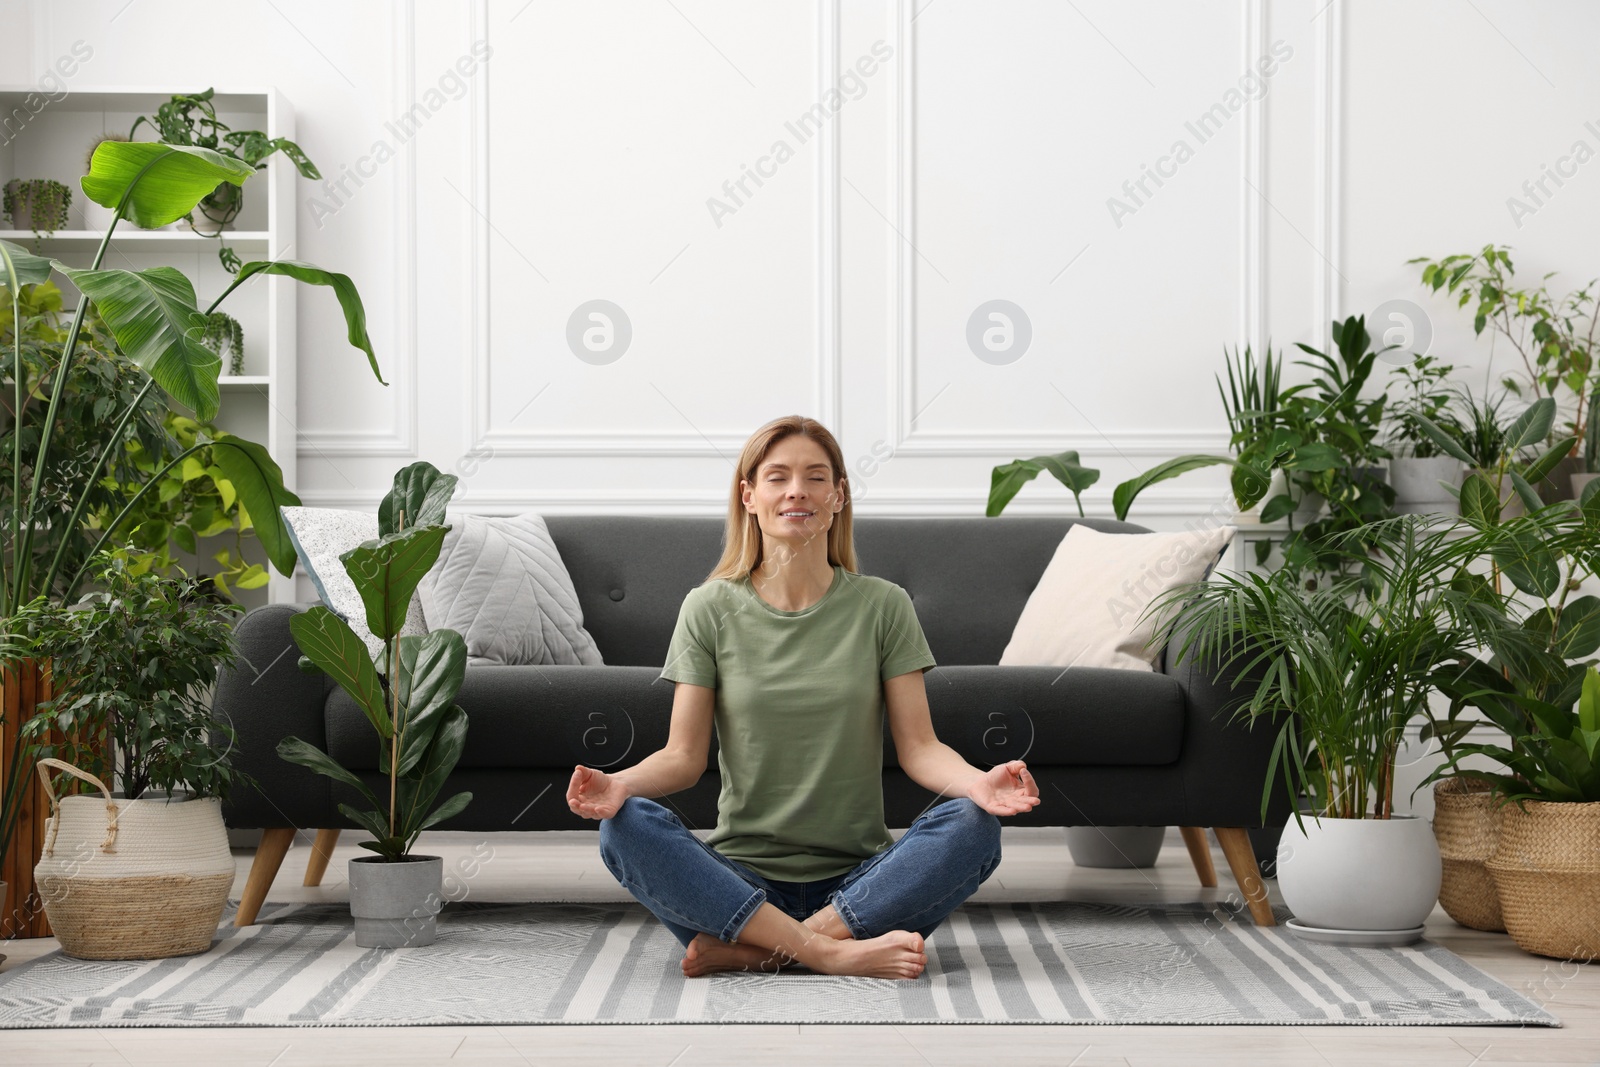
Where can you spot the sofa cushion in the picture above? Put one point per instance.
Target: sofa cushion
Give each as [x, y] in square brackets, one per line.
[501, 584]
[612, 717]
[1093, 606]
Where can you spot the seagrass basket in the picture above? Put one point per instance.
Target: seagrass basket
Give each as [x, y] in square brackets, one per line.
[132, 879]
[1466, 823]
[1547, 869]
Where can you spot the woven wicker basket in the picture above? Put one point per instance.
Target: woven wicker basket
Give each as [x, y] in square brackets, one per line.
[1466, 823]
[1547, 869]
[132, 879]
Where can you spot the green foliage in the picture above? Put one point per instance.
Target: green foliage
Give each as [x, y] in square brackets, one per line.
[1425, 395]
[222, 334]
[1554, 337]
[1007, 480]
[1341, 669]
[191, 120]
[1591, 436]
[45, 201]
[133, 664]
[409, 696]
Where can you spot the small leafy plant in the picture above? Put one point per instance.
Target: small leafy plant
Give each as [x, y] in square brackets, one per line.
[191, 120]
[409, 694]
[1425, 392]
[132, 668]
[45, 201]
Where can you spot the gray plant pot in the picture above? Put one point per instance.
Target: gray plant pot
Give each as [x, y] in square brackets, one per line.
[1417, 484]
[395, 905]
[1115, 846]
[1578, 483]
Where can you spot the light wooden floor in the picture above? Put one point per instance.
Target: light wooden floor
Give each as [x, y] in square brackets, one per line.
[567, 866]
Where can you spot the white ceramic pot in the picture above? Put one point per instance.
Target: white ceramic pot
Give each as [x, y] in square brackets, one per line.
[1419, 485]
[1360, 874]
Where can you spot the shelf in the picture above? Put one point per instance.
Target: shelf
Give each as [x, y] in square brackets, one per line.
[133, 239]
[241, 382]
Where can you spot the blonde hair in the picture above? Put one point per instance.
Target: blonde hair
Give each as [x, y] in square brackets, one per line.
[742, 544]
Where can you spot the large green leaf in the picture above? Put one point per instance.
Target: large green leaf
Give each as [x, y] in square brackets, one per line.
[19, 267]
[328, 641]
[1532, 425]
[308, 755]
[166, 180]
[1480, 504]
[355, 314]
[153, 316]
[257, 480]
[1530, 565]
[1540, 468]
[1123, 496]
[1578, 634]
[386, 573]
[420, 791]
[432, 668]
[1446, 442]
[419, 497]
[1005, 481]
[452, 807]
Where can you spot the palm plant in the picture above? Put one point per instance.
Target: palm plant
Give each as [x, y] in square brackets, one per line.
[1341, 668]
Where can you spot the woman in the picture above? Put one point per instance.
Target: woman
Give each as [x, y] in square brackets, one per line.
[795, 657]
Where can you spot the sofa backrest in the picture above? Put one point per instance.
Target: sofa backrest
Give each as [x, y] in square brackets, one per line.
[968, 577]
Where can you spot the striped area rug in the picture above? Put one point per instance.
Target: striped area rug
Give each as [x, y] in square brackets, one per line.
[511, 964]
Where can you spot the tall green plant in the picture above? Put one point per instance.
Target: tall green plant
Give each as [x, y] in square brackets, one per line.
[409, 695]
[1340, 669]
[156, 321]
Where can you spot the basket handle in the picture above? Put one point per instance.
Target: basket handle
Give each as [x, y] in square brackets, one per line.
[44, 764]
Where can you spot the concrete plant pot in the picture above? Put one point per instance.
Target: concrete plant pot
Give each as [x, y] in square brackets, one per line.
[1360, 875]
[1115, 846]
[395, 904]
[1419, 485]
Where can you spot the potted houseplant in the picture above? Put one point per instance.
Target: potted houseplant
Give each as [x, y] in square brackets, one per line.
[1501, 483]
[409, 698]
[1553, 337]
[132, 666]
[1531, 675]
[1420, 473]
[37, 204]
[191, 119]
[1342, 668]
[152, 315]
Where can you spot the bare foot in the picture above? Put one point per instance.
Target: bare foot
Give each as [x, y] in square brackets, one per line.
[896, 954]
[708, 955]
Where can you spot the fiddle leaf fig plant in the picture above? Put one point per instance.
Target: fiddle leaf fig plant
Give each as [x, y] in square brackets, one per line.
[408, 696]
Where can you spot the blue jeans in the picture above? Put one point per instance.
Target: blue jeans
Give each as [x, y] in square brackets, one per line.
[912, 885]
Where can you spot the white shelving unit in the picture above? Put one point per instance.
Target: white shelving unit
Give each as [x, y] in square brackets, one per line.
[54, 142]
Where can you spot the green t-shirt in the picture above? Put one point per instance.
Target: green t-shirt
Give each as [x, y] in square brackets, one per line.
[799, 715]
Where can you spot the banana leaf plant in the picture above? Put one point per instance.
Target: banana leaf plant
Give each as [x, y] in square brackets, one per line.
[409, 694]
[155, 318]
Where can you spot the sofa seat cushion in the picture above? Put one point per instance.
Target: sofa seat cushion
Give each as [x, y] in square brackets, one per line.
[612, 717]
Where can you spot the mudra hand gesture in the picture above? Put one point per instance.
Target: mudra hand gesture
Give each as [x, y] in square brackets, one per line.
[1006, 789]
[595, 794]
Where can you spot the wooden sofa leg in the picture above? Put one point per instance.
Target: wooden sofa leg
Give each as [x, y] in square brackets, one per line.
[1235, 842]
[322, 852]
[269, 856]
[1200, 854]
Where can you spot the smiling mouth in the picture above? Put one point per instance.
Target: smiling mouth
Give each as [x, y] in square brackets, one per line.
[795, 516]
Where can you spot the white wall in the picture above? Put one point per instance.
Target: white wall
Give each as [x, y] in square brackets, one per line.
[974, 163]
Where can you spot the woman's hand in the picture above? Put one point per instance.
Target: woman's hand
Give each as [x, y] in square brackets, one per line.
[595, 794]
[1007, 789]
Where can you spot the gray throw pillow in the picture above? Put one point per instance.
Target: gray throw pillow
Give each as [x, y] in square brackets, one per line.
[320, 536]
[501, 584]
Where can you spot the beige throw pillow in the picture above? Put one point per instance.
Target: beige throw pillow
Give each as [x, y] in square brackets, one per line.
[1088, 609]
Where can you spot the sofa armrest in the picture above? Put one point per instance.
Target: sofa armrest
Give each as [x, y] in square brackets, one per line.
[266, 697]
[1225, 754]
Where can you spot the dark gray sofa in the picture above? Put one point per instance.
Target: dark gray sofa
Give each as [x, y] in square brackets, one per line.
[1107, 747]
